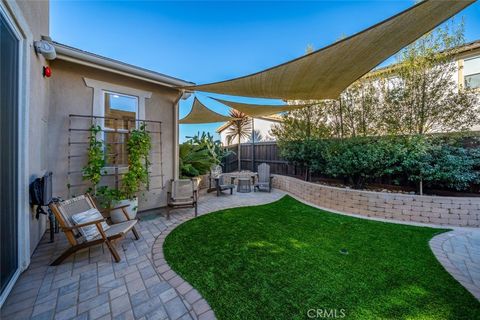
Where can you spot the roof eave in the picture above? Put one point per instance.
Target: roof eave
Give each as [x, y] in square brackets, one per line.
[75, 55]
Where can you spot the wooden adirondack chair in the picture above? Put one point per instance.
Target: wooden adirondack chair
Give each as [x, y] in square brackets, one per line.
[221, 184]
[182, 193]
[64, 211]
[215, 172]
[263, 179]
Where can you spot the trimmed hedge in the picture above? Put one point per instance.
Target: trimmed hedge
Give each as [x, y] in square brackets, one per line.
[435, 161]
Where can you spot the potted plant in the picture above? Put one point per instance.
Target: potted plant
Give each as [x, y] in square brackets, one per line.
[138, 147]
[108, 197]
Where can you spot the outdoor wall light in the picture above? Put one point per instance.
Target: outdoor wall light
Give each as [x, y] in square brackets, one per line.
[45, 48]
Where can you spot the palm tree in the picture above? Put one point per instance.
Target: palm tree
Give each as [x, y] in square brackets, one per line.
[256, 137]
[239, 128]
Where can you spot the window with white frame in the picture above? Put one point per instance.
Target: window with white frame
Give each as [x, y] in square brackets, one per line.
[471, 73]
[121, 113]
[118, 109]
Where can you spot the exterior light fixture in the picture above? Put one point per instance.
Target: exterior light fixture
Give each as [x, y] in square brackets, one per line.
[45, 48]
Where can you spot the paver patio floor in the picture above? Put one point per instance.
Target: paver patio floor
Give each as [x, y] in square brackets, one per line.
[90, 285]
[459, 253]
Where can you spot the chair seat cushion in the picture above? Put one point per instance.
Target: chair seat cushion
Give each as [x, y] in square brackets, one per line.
[227, 186]
[120, 228]
[180, 202]
[89, 232]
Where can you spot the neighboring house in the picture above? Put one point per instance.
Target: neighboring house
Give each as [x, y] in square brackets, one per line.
[467, 74]
[262, 127]
[468, 71]
[35, 123]
[469, 65]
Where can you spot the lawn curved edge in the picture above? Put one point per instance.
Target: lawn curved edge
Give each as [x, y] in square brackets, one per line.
[438, 246]
[197, 306]
[195, 303]
[200, 309]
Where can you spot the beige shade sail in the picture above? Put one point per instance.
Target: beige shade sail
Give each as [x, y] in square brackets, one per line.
[325, 73]
[260, 110]
[201, 114]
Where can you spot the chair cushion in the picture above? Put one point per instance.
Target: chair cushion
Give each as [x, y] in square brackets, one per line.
[89, 232]
[120, 228]
[184, 201]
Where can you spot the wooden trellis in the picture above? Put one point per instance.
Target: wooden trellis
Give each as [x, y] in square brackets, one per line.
[79, 130]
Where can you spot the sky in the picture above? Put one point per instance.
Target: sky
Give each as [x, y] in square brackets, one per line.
[212, 41]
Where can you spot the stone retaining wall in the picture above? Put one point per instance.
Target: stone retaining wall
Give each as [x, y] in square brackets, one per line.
[450, 211]
[203, 181]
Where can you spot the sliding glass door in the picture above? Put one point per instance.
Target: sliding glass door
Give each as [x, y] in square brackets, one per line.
[9, 76]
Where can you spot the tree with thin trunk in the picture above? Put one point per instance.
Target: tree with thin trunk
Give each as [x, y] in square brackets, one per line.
[298, 128]
[240, 128]
[420, 94]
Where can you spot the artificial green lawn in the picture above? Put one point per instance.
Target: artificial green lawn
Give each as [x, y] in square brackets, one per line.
[279, 260]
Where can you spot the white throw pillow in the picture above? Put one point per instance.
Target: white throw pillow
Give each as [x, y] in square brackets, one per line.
[89, 232]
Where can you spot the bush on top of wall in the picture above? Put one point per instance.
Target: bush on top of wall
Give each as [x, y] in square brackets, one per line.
[431, 161]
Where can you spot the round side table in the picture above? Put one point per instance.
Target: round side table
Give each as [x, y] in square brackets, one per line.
[243, 185]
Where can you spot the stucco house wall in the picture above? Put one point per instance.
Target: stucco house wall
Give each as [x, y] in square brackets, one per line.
[36, 15]
[71, 95]
[44, 105]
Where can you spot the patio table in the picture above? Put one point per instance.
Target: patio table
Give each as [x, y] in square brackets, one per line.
[244, 185]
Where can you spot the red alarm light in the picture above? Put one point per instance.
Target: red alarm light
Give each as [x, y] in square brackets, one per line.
[47, 72]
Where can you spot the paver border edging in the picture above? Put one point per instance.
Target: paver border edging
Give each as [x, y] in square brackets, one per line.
[197, 304]
[199, 307]
[436, 245]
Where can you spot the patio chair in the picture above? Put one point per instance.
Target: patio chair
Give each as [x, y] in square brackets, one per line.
[221, 185]
[215, 172]
[263, 178]
[84, 226]
[182, 193]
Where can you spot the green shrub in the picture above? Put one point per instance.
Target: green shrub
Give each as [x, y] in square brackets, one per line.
[357, 159]
[194, 160]
[199, 153]
[308, 154]
[451, 167]
[432, 161]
